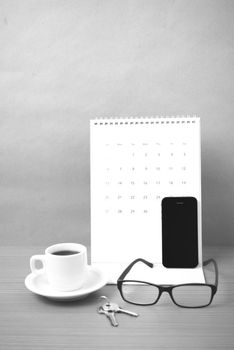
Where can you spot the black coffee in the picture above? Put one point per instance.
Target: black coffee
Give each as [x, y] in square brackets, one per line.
[66, 252]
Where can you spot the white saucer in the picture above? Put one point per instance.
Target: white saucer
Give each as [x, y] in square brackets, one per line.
[38, 284]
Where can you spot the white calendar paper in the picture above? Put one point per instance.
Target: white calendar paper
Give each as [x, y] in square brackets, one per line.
[135, 162]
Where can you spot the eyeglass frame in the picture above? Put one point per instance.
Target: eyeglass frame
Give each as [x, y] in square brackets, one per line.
[167, 288]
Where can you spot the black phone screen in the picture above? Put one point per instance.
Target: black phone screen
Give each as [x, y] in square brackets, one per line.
[179, 232]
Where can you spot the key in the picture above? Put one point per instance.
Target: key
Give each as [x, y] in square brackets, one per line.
[110, 315]
[116, 308]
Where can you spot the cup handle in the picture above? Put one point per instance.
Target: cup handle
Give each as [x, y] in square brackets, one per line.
[33, 260]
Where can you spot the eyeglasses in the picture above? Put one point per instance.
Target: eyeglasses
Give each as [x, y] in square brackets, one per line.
[192, 295]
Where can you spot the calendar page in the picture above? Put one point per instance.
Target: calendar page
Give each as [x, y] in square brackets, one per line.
[135, 163]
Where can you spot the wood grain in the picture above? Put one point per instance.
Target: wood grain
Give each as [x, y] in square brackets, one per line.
[31, 322]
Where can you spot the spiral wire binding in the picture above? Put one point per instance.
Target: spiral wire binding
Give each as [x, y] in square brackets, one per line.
[178, 119]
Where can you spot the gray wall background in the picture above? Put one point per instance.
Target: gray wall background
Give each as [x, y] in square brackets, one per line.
[64, 62]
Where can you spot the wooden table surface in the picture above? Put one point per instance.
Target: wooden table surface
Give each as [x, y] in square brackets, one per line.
[31, 322]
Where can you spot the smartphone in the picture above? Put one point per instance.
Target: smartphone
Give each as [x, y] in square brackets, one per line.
[179, 232]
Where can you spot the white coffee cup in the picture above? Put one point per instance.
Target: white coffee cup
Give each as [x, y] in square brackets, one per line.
[65, 265]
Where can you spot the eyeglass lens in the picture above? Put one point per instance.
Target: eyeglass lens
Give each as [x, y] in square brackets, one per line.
[186, 296]
[192, 296]
[140, 293]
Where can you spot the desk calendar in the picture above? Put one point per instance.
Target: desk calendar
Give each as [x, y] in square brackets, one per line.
[135, 162]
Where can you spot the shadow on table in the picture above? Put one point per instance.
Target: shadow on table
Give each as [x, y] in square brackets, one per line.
[92, 299]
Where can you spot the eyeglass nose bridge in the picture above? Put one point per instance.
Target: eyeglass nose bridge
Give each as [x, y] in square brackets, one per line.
[165, 289]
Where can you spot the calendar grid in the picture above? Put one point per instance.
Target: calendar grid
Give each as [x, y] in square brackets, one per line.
[135, 163]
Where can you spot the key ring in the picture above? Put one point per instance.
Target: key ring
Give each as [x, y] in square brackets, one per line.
[107, 299]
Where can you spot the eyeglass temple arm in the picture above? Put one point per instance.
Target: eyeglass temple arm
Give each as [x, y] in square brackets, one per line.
[206, 262]
[126, 271]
